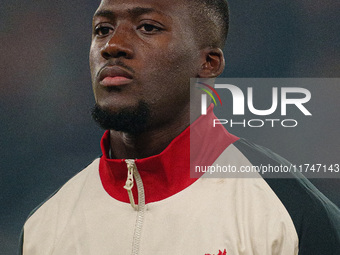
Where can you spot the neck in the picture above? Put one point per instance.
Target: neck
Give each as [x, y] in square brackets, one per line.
[148, 143]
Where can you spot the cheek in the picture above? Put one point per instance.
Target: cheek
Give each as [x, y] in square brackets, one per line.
[173, 61]
[94, 57]
[94, 64]
[180, 65]
[169, 77]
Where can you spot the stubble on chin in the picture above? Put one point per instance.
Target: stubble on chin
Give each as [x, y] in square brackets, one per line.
[131, 120]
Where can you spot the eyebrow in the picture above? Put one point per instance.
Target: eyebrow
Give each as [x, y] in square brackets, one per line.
[104, 13]
[137, 11]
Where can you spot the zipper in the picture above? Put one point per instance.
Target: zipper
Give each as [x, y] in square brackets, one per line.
[133, 174]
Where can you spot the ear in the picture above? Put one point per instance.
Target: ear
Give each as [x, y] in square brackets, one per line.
[212, 63]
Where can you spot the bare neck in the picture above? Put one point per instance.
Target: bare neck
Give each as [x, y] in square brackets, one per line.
[149, 143]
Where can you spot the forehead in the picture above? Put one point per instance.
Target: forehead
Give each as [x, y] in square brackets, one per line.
[170, 8]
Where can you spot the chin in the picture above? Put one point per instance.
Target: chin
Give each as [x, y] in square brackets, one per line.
[128, 119]
[114, 105]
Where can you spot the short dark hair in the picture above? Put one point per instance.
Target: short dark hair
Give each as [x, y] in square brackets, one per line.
[211, 20]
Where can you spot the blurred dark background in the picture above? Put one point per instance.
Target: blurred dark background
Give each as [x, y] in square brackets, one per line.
[45, 92]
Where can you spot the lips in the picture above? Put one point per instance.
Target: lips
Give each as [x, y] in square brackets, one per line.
[114, 76]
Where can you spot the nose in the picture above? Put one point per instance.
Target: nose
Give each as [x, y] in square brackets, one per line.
[118, 45]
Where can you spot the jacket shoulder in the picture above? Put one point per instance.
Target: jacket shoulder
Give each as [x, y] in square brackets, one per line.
[315, 217]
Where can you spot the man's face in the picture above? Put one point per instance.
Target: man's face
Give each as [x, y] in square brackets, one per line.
[143, 51]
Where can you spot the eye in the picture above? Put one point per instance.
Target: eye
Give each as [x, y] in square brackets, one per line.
[103, 30]
[149, 28]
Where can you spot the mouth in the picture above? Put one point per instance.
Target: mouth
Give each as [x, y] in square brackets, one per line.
[112, 76]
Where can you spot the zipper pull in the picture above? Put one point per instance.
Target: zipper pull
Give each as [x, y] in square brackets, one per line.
[131, 165]
[129, 181]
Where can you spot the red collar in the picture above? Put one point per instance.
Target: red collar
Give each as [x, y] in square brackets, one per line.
[167, 173]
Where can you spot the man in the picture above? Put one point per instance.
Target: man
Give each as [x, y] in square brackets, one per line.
[138, 198]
